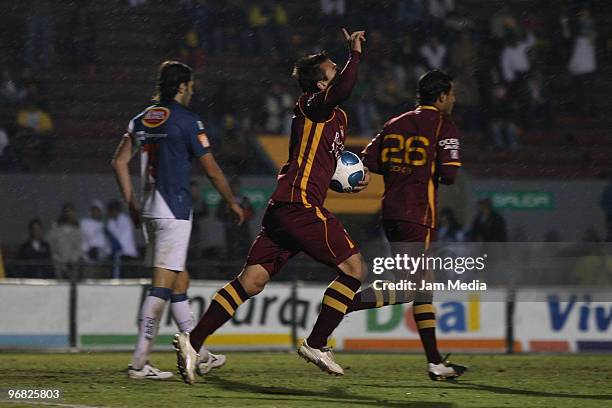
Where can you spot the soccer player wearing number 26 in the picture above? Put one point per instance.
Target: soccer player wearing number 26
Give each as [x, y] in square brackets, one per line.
[295, 219]
[415, 152]
[168, 137]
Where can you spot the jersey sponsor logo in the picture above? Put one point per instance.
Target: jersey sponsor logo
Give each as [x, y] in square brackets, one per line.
[338, 144]
[204, 140]
[156, 116]
[449, 144]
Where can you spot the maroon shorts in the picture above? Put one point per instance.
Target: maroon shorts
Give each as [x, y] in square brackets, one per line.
[406, 231]
[289, 228]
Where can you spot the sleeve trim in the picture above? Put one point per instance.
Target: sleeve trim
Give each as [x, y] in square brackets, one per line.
[458, 164]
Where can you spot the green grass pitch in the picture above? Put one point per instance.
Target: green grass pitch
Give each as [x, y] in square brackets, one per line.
[284, 380]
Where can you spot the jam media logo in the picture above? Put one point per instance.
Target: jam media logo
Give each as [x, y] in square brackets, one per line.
[588, 316]
[452, 317]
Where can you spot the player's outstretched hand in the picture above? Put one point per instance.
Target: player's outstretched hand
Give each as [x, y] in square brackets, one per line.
[363, 183]
[355, 39]
[238, 212]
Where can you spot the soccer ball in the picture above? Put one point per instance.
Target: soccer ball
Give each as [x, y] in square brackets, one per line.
[349, 172]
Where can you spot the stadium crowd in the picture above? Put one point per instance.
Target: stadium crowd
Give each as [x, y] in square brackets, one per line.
[506, 68]
[502, 67]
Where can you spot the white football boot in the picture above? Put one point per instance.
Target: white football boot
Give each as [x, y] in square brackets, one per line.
[186, 357]
[208, 361]
[322, 358]
[148, 372]
[445, 370]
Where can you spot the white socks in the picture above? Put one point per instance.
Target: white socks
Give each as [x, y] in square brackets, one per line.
[150, 315]
[184, 318]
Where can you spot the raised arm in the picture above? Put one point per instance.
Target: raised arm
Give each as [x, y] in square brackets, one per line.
[341, 86]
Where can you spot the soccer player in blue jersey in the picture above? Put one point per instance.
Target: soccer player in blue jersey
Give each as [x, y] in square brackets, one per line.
[168, 137]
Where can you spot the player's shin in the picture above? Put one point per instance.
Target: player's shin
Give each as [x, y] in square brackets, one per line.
[336, 300]
[181, 311]
[425, 318]
[150, 314]
[221, 309]
[370, 298]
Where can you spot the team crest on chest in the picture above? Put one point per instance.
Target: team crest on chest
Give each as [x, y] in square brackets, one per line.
[156, 116]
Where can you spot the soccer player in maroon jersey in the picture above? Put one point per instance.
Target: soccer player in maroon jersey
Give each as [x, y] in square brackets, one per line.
[295, 219]
[415, 152]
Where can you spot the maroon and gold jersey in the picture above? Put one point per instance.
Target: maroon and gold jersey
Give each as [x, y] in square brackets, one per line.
[410, 153]
[318, 132]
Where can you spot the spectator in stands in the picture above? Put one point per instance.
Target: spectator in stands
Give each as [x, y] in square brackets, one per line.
[261, 17]
[515, 67]
[434, 53]
[333, 11]
[280, 31]
[237, 237]
[438, 9]
[582, 65]
[11, 91]
[410, 59]
[35, 250]
[379, 50]
[278, 107]
[191, 49]
[449, 228]
[34, 130]
[120, 233]
[120, 230]
[409, 14]
[540, 107]
[82, 38]
[203, 15]
[95, 244]
[502, 23]
[389, 93]
[362, 98]
[606, 205]
[502, 113]
[232, 35]
[39, 32]
[65, 240]
[488, 225]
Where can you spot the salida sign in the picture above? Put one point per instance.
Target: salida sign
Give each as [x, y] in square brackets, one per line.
[519, 200]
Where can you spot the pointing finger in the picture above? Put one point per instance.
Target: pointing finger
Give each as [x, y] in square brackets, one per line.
[346, 34]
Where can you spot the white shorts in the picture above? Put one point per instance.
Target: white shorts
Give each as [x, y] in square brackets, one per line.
[167, 243]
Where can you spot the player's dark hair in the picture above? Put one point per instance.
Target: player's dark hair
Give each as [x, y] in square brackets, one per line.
[431, 85]
[308, 71]
[171, 75]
